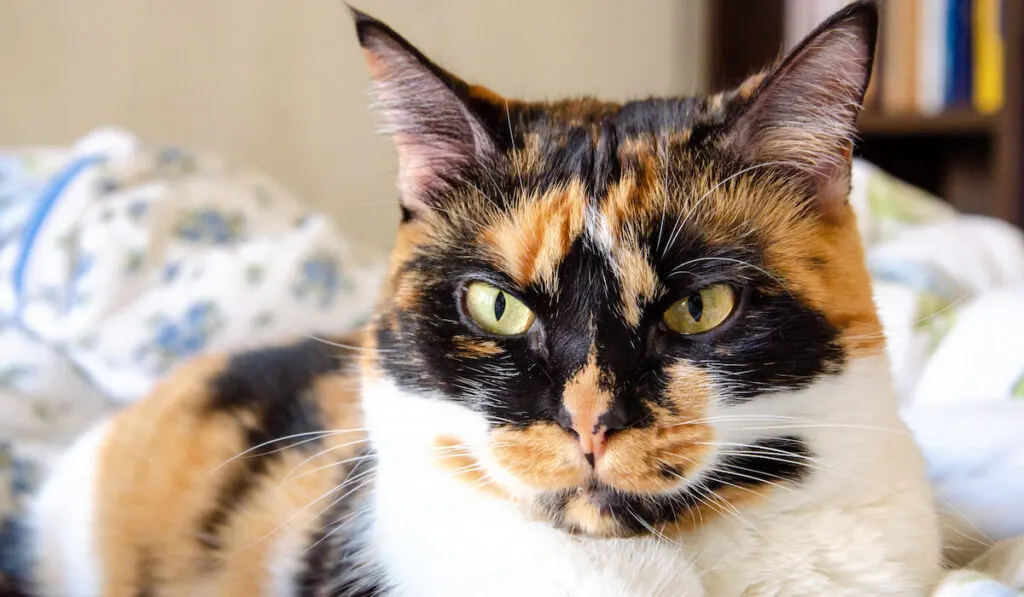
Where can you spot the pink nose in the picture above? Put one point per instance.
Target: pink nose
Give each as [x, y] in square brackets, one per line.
[590, 429]
[592, 439]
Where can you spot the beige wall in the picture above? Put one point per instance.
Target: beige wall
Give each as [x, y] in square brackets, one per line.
[280, 84]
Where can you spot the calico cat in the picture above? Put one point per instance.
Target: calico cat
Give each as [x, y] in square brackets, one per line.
[622, 350]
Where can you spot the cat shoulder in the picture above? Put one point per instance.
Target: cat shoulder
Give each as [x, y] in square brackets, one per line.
[202, 478]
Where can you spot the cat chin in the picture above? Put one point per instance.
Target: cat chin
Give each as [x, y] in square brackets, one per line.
[866, 494]
[778, 450]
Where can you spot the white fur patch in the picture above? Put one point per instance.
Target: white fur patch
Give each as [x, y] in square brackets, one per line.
[861, 525]
[437, 537]
[64, 516]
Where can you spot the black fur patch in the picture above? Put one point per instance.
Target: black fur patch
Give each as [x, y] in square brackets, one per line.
[769, 460]
[275, 386]
[527, 380]
[337, 563]
[775, 342]
[270, 378]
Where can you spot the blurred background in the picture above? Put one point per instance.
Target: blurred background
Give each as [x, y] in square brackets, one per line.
[281, 85]
[243, 196]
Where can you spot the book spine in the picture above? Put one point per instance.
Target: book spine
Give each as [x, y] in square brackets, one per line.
[931, 56]
[959, 45]
[899, 79]
[911, 48]
[988, 56]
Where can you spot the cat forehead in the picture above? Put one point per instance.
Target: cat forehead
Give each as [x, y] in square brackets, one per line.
[610, 163]
[627, 192]
[599, 141]
[632, 118]
[608, 174]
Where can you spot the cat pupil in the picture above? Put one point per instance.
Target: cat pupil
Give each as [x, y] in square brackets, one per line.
[696, 306]
[499, 306]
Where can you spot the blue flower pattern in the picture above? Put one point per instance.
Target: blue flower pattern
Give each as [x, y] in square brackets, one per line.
[175, 161]
[106, 186]
[177, 338]
[82, 264]
[12, 376]
[319, 277]
[171, 334]
[137, 210]
[171, 271]
[211, 227]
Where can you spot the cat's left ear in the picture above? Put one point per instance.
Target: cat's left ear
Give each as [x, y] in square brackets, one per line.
[804, 113]
[427, 112]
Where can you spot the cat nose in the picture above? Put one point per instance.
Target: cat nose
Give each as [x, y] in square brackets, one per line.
[592, 429]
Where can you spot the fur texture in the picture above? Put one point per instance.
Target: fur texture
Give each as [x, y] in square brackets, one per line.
[599, 453]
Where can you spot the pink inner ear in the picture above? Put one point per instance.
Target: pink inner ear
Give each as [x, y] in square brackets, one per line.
[436, 135]
[422, 167]
[414, 175]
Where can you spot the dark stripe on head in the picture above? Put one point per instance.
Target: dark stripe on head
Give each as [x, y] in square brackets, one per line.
[583, 139]
[527, 377]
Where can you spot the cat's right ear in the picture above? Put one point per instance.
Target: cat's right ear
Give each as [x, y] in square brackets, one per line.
[437, 135]
[804, 113]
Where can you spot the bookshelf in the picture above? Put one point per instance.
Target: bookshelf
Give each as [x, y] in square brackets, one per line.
[973, 160]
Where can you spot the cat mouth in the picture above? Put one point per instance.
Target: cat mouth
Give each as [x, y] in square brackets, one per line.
[601, 509]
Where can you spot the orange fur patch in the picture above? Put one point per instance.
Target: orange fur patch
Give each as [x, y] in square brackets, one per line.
[583, 395]
[163, 465]
[530, 241]
[542, 455]
[750, 85]
[654, 459]
[818, 259]
[457, 458]
[472, 347]
[638, 282]
[587, 516]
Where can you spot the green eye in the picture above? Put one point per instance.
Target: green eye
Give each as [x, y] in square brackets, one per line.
[497, 311]
[702, 311]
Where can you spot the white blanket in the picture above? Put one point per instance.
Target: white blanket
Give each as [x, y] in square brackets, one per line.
[950, 290]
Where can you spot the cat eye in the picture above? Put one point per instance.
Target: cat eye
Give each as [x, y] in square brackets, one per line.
[497, 311]
[702, 311]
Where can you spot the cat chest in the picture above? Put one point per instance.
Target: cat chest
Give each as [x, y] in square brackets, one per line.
[460, 548]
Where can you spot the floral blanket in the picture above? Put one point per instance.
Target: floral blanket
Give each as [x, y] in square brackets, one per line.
[118, 261]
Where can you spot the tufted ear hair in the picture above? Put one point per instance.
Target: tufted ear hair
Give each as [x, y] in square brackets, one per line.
[803, 113]
[426, 111]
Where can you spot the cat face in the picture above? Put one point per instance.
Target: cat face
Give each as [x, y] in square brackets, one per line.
[600, 285]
